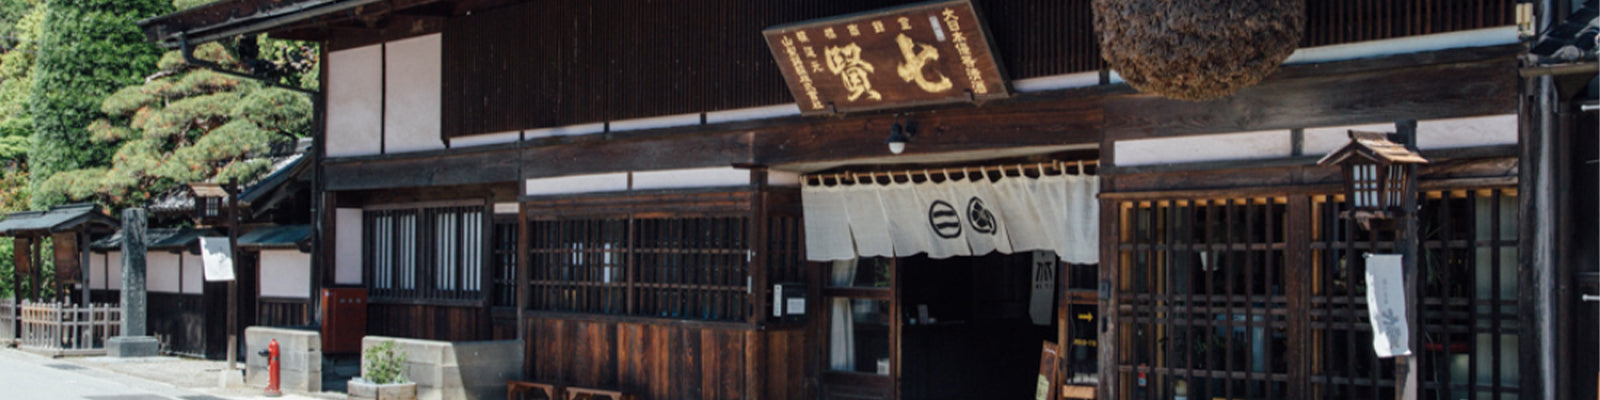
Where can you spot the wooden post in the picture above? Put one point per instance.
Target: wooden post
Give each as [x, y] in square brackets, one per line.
[1406, 377]
[233, 285]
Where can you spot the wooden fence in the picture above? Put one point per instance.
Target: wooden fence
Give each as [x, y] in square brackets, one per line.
[8, 322]
[58, 329]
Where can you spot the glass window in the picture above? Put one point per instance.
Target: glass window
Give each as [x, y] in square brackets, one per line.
[858, 337]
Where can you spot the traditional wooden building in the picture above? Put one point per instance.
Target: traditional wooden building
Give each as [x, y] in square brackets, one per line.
[188, 314]
[696, 200]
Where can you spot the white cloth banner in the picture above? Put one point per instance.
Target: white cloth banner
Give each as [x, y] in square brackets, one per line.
[217, 258]
[945, 222]
[827, 224]
[1386, 305]
[868, 223]
[984, 231]
[954, 218]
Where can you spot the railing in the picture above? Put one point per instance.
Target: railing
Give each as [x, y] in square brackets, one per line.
[59, 329]
[282, 312]
[8, 322]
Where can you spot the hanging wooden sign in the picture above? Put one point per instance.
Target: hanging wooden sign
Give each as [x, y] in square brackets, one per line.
[927, 53]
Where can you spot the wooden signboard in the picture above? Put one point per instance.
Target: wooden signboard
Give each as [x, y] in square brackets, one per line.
[1047, 373]
[927, 53]
[22, 256]
[67, 258]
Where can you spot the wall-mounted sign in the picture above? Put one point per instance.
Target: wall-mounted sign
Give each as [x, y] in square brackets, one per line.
[920, 54]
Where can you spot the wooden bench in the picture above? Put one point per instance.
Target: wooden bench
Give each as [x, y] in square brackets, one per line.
[515, 390]
[575, 393]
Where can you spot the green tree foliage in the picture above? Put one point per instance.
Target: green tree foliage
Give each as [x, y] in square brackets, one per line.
[87, 49]
[185, 124]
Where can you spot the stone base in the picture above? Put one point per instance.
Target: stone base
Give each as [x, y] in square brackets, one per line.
[132, 346]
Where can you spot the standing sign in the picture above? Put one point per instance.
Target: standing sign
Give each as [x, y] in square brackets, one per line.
[1386, 305]
[920, 54]
[218, 258]
[1042, 304]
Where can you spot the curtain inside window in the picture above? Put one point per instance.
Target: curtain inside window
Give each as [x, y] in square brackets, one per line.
[842, 335]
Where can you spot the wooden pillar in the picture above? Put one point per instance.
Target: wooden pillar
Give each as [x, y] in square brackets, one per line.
[1406, 367]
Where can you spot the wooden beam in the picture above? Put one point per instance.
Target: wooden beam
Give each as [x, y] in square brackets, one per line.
[1427, 92]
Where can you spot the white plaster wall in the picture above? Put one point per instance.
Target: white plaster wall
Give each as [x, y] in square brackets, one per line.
[576, 184]
[1467, 132]
[285, 273]
[506, 208]
[691, 178]
[1201, 148]
[97, 271]
[1321, 141]
[161, 272]
[347, 251]
[114, 270]
[194, 273]
[485, 139]
[412, 78]
[355, 108]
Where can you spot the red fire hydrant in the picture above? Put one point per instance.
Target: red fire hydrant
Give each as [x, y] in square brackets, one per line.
[272, 369]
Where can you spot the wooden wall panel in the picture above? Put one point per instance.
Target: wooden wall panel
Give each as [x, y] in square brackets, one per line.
[431, 322]
[543, 64]
[179, 321]
[656, 360]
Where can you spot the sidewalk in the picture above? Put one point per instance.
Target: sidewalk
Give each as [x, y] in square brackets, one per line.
[173, 376]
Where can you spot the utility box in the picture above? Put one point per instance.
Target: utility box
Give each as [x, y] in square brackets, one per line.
[344, 319]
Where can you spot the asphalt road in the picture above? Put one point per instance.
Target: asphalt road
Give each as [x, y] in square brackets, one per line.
[25, 376]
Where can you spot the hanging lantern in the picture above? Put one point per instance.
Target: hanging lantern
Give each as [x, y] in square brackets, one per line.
[209, 200]
[1376, 174]
[1197, 50]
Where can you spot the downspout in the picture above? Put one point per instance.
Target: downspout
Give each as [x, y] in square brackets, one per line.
[1538, 253]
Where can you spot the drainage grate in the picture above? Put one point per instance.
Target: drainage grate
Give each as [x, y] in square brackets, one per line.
[64, 367]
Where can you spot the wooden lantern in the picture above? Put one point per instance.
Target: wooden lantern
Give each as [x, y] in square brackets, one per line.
[209, 202]
[1377, 174]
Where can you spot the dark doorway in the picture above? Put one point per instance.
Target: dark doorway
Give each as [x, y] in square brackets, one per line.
[967, 327]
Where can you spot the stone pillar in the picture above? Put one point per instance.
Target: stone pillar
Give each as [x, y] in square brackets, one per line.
[134, 341]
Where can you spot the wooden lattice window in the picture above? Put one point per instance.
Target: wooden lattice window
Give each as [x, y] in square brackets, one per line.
[504, 252]
[425, 254]
[1468, 249]
[1265, 297]
[695, 267]
[1202, 298]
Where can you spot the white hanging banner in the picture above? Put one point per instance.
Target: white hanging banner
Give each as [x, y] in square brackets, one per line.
[1042, 304]
[217, 257]
[827, 224]
[985, 229]
[1386, 305]
[945, 220]
[944, 217]
[868, 223]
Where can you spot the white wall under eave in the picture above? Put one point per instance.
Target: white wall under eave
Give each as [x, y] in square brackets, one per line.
[97, 271]
[194, 274]
[347, 246]
[285, 274]
[161, 272]
[412, 77]
[114, 270]
[1202, 148]
[355, 106]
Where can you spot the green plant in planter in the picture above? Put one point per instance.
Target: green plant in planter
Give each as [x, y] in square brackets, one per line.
[384, 364]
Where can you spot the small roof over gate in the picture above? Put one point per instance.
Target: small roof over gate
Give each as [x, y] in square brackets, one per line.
[279, 237]
[67, 218]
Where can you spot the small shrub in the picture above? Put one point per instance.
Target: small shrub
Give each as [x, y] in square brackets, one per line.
[384, 364]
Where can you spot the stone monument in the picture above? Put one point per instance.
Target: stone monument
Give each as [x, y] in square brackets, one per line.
[134, 341]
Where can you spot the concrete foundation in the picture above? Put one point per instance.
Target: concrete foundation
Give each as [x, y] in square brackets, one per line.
[300, 363]
[132, 346]
[458, 370]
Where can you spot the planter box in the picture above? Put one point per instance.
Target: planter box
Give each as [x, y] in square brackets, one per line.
[361, 389]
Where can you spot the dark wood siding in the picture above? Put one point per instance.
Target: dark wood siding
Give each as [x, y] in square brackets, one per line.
[179, 321]
[545, 64]
[427, 321]
[666, 361]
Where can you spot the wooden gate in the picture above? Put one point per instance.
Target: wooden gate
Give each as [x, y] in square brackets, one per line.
[8, 322]
[58, 329]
